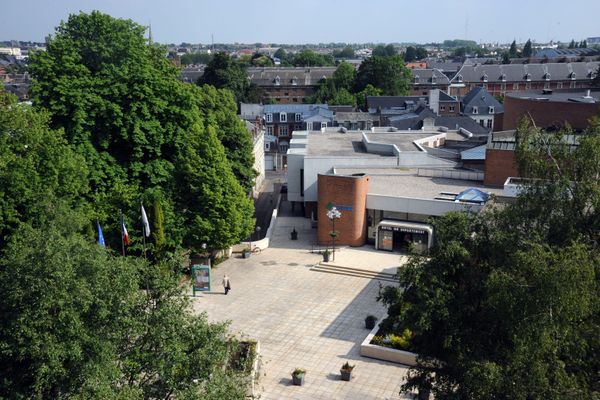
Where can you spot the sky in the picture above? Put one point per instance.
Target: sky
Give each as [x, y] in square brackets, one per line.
[320, 21]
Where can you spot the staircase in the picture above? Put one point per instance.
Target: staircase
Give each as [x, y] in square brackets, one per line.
[356, 272]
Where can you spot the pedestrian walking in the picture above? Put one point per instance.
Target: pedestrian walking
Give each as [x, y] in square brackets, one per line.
[226, 284]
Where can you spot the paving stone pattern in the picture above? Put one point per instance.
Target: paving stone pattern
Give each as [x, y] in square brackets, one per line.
[304, 318]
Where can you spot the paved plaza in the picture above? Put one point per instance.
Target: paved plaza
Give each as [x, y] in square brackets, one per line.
[304, 318]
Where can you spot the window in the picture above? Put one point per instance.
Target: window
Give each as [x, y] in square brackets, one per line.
[442, 108]
[528, 86]
[323, 125]
[277, 81]
[294, 81]
[434, 79]
[490, 123]
[297, 117]
[269, 117]
[481, 122]
[297, 127]
[515, 86]
[475, 110]
[267, 146]
[283, 147]
[573, 85]
[416, 79]
[295, 100]
[283, 130]
[309, 126]
[559, 85]
[459, 78]
[490, 110]
[451, 108]
[282, 117]
[547, 85]
[270, 130]
[503, 87]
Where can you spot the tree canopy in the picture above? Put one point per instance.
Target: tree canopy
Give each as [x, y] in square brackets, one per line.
[384, 51]
[76, 321]
[506, 303]
[527, 50]
[124, 110]
[386, 73]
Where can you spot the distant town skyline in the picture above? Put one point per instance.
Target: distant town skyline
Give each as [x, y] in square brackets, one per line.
[312, 21]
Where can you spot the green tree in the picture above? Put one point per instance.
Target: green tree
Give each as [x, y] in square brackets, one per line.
[361, 97]
[223, 72]
[123, 107]
[196, 58]
[343, 97]
[212, 198]
[384, 51]
[512, 51]
[527, 51]
[505, 58]
[504, 298]
[36, 163]
[261, 60]
[386, 73]
[410, 54]
[308, 58]
[344, 76]
[572, 45]
[584, 44]
[346, 52]
[75, 324]
[421, 53]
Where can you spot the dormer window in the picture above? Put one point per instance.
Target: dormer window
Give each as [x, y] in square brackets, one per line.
[547, 76]
[573, 76]
[277, 81]
[484, 78]
[294, 81]
[475, 110]
[459, 78]
[503, 77]
[528, 77]
[282, 117]
[416, 78]
[269, 117]
[490, 110]
[297, 117]
[433, 79]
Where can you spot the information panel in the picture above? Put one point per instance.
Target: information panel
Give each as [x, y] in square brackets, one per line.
[200, 278]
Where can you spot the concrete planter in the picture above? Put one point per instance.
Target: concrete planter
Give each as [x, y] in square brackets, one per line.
[298, 380]
[346, 375]
[384, 353]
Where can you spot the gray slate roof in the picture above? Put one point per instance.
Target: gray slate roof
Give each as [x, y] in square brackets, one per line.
[526, 72]
[556, 53]
[289, 76]
[424, 76]
[480, 98]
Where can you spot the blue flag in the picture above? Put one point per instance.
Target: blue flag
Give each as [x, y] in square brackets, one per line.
[100, 236]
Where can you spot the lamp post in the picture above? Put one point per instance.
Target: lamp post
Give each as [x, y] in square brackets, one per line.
[205, 254]
[333, 214]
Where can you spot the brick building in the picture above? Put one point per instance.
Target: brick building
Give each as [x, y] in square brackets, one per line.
[552, 109]
[289, 85]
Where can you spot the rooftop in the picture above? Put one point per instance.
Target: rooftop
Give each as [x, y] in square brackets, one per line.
[565, 96]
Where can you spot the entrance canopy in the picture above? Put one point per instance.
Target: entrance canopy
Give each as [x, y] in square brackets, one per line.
[405, 227]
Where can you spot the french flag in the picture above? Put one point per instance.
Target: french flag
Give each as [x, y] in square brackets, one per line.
[124, 229]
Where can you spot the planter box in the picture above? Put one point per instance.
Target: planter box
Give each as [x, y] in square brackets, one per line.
[298, 380]
[385, 353]
[346, 375]
[246, 254]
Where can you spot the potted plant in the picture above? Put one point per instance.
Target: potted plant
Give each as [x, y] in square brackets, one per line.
[370, 321]
[298, 376]
[326, 255]
[346, 371]
[246, 252]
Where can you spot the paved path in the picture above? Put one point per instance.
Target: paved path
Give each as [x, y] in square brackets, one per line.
[305, 318]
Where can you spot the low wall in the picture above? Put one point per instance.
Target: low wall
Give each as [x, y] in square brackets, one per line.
[384, 353]
[264, 242]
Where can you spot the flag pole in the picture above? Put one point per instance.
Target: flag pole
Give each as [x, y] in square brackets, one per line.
[121, 228]
[143, 231]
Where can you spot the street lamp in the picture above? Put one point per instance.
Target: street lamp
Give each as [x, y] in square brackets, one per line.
[205, 254]
[333, 214]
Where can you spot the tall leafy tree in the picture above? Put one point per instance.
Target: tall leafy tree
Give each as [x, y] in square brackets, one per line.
[344, 76]
[506, 304]
[223, 72]
[384, 51]
[121, 104]
[77, 321]
[512, 51]
[212, 197]
[527, 51]
[36, 164]
[410, 54]
[386, 73]
[308, 58]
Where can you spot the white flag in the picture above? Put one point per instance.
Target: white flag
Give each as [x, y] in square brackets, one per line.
[145, 222]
